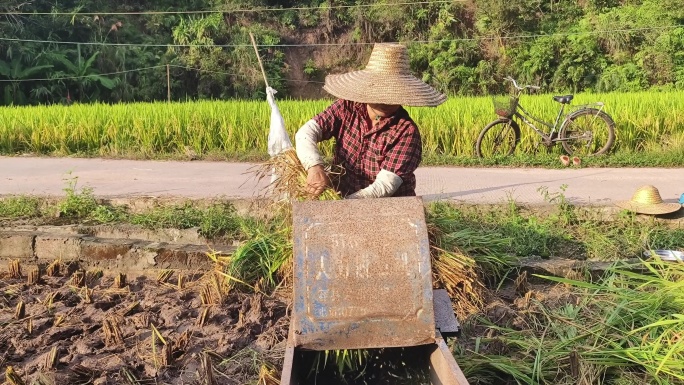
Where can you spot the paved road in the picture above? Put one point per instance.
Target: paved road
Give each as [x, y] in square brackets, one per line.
[127, 178]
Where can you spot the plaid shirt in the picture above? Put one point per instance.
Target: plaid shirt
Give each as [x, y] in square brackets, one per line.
[394, 144]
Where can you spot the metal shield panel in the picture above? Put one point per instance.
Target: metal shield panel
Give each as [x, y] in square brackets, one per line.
[362, 274]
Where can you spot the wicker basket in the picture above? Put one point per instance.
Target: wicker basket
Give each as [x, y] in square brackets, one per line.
[505, 106]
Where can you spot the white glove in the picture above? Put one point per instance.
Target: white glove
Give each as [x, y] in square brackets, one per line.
[385, 185]
[307, 139]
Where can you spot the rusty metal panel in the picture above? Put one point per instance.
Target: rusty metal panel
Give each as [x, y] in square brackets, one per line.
[362, 274]
[443, 367]
[445, 319]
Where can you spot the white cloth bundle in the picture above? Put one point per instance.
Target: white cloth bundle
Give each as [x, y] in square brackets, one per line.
[278, 139]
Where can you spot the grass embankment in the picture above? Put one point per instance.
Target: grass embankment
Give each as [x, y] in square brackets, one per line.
[624, 329]
[496, 233]
[650, 129]
[82, 207]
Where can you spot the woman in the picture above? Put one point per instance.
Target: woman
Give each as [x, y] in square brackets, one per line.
[376, 141]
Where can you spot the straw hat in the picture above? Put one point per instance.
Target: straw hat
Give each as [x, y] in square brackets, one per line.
[647, 200]
[386, 79]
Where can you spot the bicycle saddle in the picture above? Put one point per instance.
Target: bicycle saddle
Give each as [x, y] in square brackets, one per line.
[565, 99]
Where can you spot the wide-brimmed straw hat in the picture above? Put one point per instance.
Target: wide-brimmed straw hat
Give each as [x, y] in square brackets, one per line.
[387, 79]
[647, 200]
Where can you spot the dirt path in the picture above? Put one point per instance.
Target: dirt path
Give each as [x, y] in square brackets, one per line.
[127, 178]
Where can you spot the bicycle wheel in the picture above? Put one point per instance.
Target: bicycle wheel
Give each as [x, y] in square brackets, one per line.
[498, 138]
[587, 132]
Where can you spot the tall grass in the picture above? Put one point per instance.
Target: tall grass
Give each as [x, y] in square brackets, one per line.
[646, 122]
[625, 329]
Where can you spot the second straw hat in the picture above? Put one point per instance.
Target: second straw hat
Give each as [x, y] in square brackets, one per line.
[387, 79]
[647, 200]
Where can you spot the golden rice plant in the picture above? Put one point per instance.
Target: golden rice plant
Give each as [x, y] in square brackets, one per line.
[236, 128]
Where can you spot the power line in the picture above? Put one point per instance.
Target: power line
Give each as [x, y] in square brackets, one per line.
[240, 75]
[79, 77]
[511, 37]
[231, 10]
[138, 70]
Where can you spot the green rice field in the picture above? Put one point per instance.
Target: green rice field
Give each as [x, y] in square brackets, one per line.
[649, 128]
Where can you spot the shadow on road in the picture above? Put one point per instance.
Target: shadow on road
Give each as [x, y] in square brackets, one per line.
[456, 194]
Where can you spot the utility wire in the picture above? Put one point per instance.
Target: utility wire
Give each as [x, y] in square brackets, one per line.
[138, 70]
[232, 10]
[79, 77]
[240, 75]
[511, 37]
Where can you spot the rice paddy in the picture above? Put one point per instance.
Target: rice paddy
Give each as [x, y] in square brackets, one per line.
[622, 328]
[647, 123]
[140, 331]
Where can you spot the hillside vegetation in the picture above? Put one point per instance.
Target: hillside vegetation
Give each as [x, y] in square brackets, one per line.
[460, 47]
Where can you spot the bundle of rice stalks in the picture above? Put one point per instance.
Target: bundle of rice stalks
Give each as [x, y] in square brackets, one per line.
[129, 309]
[51, 359]
[264, 261]
[112, 331]
[261, 261]
[53, 269]
[463, 259]
[458, 274]
[120, 281]
[12, 377]
[83, 375]
[207, 364]
[91, 277]
[268, 375]
[33, 277]
[291, 177]
[344, 361]
[15, 269]
[78, 278]
[20, 311]
[210, 295]
[203, 316]
[164, 276]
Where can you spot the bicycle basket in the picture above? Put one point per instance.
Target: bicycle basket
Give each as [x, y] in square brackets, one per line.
[505, 106]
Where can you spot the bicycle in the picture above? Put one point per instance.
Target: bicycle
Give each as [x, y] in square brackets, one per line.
[581, 132]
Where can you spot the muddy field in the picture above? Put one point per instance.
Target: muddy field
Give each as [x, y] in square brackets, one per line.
[92, 329]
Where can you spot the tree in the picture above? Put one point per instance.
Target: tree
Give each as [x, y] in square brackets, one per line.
[81, 73]
[17, 73]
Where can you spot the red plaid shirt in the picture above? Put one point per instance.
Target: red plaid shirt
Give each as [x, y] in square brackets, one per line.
[394, 144]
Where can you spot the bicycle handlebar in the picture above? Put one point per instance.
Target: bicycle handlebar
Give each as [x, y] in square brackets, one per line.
[520, 88]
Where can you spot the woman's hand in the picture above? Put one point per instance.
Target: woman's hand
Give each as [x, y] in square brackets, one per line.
[316, 181]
